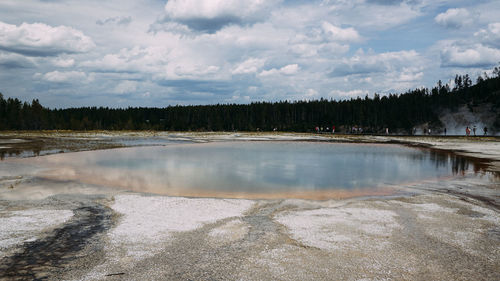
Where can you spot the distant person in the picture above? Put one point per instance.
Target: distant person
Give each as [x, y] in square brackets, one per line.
[467, 131]
[485, 131]
[386, 131]
[414, 131]
[429, 131]
[474, 130]
[333, 129]
[445, 131]
[317, 129]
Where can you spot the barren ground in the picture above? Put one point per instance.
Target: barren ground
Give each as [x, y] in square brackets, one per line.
[52, 230]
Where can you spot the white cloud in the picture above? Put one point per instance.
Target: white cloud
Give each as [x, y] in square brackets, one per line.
[60, 77]
[491, 35]
[454, 18]
[365, 63]
[311, 94]
[475, 55]
[119, 20]
[251, 65]
[408, 75]
[60, 62]
[290, 69]
[124, 87]
[39, 39]
[211, 51]
[136, 59]
[340, 34]
[385, 2]
[348, 94]
[376, 17]
[193, 71]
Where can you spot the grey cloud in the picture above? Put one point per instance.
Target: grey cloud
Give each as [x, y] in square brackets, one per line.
[36, 51]
[344, 69]
[219, 87]
[197, 24]
[393, 2]
[210, 25]
[115, 20]
[385, 2]
[211, 16]
[10, 61]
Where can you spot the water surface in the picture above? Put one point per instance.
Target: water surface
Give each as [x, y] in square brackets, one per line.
[256, 169]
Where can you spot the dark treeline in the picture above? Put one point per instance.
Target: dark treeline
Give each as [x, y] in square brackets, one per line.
[399, 112]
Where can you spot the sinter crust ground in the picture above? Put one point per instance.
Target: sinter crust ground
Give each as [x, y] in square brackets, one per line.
[449, 231]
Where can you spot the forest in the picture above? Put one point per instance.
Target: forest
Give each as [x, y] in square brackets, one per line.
[398, 112]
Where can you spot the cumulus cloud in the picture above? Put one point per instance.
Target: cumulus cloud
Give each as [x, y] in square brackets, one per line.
[365, 63]
[60, 62]
[160, 63]
[136, 59]
[64, 76]
[236, 50]
[490, 36]
[475, 55]
[120, 20]
[340, 34]
[385, 2]
[126, 86]
[39, 39]
[454, 18]
[311, 94]
[290, 69]
[212, 15]
[323, 50]
[409, 75]
[376, 14]
[348, 94]
[193, 71]
[251, 65]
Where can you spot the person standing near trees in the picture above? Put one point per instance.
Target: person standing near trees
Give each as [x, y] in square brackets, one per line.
[485, 131]
[467, 131]
[474, 130]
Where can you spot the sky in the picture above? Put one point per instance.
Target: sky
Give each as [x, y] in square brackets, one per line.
[121, 53]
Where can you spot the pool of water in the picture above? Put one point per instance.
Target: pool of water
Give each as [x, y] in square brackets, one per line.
[255, 169]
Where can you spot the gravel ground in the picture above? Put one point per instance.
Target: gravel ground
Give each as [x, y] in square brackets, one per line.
[52, 230]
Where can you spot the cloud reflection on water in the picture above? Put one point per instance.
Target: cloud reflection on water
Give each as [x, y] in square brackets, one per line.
[256, 169]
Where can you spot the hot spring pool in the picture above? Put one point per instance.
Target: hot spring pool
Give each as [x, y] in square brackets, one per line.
[255, 169]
